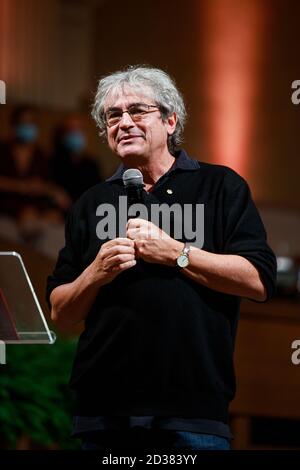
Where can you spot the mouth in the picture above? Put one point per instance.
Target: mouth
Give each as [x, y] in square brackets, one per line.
[128, 138]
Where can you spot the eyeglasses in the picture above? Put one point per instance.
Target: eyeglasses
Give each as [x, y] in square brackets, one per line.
[136, 112]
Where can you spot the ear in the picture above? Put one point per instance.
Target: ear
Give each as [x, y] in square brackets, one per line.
[171, 123]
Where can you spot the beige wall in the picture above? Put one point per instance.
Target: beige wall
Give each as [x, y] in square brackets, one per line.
[44, 50]
[66, 46]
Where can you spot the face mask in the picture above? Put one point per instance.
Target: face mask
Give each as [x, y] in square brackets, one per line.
[26, 132]
[74, 141]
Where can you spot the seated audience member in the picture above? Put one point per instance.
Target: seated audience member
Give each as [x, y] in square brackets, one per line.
[27, 194]
[73, 168]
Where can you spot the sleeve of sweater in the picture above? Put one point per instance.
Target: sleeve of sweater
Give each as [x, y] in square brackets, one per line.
[68, 265]
[244, 232]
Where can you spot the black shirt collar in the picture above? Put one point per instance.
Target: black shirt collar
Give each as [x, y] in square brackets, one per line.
[182, 162]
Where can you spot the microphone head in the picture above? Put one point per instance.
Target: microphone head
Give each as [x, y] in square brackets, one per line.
[133, 177]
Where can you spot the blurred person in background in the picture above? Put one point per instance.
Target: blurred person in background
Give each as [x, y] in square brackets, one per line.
[29, 199]
[73, 167]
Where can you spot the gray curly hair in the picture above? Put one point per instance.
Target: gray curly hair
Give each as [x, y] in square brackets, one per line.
[162, 89]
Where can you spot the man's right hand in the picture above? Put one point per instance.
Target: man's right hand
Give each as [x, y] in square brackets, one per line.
[113, 257]
[72, 301]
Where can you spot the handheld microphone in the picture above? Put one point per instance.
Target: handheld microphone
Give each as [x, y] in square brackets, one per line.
[134, 183]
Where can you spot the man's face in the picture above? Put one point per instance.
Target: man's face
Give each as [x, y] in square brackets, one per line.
[143, 138]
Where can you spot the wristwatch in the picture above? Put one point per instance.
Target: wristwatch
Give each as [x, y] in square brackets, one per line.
[183, 259]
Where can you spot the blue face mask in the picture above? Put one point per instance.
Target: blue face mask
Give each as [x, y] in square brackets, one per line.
[26, 132]
[74, 141]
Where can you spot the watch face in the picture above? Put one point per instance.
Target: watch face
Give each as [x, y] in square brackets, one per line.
[182, 261]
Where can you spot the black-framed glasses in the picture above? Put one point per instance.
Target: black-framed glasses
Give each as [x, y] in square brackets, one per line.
[136, 111]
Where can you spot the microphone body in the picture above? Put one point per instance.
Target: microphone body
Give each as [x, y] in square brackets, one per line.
[134, 184]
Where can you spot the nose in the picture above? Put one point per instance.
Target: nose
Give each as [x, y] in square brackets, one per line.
[126, 120]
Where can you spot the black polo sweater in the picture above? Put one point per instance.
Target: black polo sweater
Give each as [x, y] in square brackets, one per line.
[155, 342]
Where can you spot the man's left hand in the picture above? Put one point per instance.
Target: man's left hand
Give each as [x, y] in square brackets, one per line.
[153, 244]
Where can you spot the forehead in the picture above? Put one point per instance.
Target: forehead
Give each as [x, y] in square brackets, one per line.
[126, 96]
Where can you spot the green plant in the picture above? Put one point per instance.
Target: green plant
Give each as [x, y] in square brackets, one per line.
[35, 400]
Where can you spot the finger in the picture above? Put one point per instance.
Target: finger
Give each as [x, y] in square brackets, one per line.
[132, 233]
[117, 260]
[134, 223]
[119, 249]
[123, 266]
[120, 241]
[127, 264]
[141, 234]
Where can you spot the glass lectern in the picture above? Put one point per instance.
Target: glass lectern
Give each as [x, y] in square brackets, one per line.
[21, 316]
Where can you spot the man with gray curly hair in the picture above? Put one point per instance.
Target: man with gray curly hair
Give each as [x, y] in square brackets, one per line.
[150, 82]
[154, 364]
